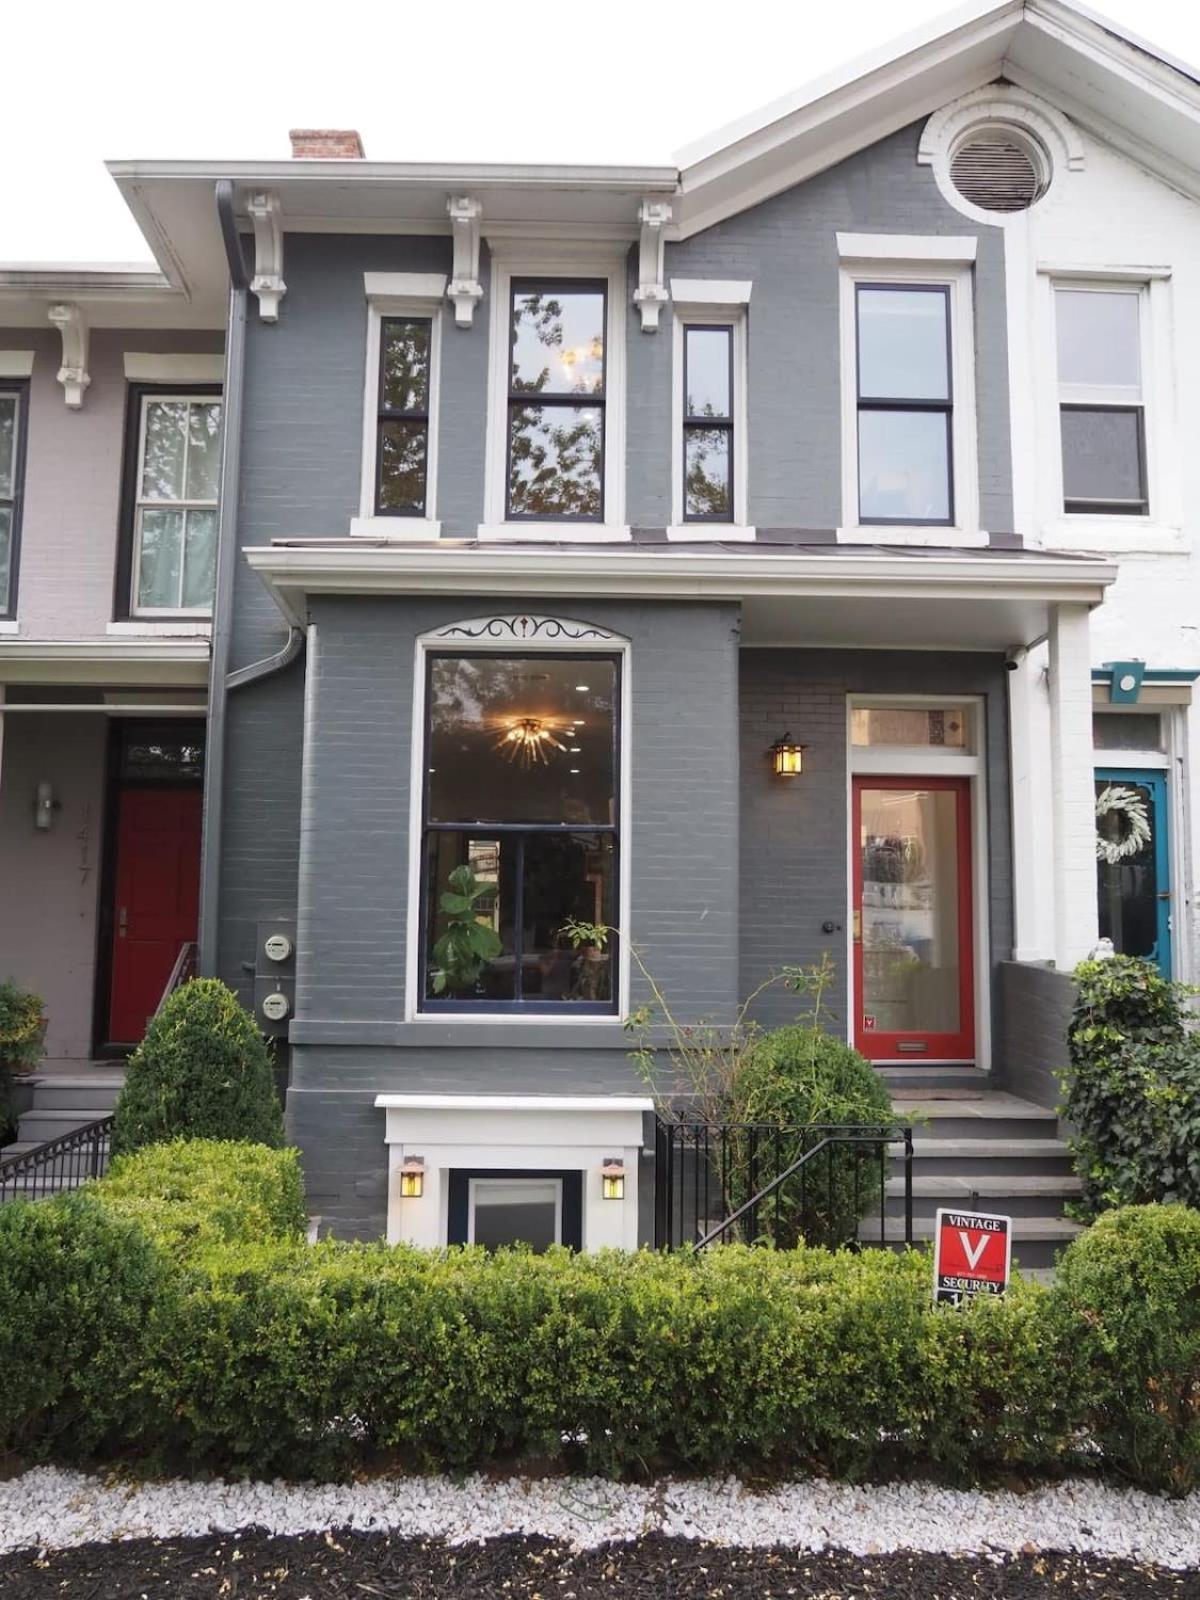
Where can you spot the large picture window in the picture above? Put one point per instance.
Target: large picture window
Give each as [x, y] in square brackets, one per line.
[520, 831]
[173, 502]
[556, 400]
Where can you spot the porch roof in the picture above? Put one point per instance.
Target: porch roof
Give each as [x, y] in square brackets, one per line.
[791, 593]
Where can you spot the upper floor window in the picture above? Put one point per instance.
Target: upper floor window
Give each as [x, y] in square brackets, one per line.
[520, 831]
[173, 506]
[12, 446]
[556, 400]
[402, 444]
[905, 403]
[708, 423]
[1100, 397]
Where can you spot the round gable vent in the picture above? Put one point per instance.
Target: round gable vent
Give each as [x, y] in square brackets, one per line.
[997, 170]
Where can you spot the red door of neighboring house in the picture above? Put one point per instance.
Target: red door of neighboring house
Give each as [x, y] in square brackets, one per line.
[156, 900]
[914, 981]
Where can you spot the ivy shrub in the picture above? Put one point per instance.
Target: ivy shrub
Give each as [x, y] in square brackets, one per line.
[1132, 1090]
[791, 1078]
[203, 1071]
[1128, 1297]
[21, 1027]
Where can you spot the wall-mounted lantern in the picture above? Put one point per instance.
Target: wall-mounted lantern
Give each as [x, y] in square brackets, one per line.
[787, 757]
[412, 1178]
[612, 1178]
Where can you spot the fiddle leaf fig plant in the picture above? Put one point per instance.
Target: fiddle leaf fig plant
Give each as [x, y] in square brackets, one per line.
[467, 943]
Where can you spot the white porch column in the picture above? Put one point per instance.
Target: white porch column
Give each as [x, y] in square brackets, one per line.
[1032, 845]
[1076, 926]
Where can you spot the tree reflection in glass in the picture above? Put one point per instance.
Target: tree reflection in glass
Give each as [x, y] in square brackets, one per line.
[556, 444]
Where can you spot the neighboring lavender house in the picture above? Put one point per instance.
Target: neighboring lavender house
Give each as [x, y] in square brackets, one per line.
[110, 433]
[707, 553]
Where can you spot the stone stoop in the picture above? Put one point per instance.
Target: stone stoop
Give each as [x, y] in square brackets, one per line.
[984, 1150]
[64, 1101]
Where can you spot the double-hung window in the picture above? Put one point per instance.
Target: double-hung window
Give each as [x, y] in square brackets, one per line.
[708, 422]
[402, 438]
[1101, 407]
[557, 397]
[12, 450]
[520, 833]
[174, 502]
[905, 403]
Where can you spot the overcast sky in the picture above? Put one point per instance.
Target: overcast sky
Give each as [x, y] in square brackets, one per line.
[460, 80]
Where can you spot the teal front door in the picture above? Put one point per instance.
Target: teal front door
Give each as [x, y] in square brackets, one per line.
[1133, 863]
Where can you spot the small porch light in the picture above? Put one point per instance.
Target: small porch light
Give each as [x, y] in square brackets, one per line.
[787, 757]
[412, 1178]
[612, 1176]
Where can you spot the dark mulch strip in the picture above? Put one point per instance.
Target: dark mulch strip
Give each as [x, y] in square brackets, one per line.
[357, 1566]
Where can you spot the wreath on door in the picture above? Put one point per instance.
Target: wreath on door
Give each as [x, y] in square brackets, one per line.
[1127, 807]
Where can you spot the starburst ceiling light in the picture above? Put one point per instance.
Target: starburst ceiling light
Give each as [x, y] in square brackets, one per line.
[527, 740]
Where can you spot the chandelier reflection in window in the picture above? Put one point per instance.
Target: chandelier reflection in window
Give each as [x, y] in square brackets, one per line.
[529, 740]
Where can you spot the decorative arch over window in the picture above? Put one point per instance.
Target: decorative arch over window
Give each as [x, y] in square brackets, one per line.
[998, 151]
[524, 628]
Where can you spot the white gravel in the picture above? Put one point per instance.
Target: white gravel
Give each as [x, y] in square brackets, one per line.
[53, 1509]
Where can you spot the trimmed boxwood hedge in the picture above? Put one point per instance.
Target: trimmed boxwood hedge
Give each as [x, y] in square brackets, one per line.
[174, 1316]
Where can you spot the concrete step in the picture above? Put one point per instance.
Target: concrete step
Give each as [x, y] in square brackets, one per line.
[917, 1079]
[1020, 1196]
[992, 1116]
[17, 1148]
[38, 1126]
[968, 1158]
[1036, 1241]
[63, 1092]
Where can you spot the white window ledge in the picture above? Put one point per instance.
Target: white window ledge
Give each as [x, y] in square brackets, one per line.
[1115, 535]
[552, 533]
[9, 629]
[176, 628]
[16, 363]
[906, 247]
[402, 530]
[715, 532]
[146, 367]
[906, 533]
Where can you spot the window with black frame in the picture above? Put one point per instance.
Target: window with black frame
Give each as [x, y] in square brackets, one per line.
[707, 424]
[12, 441]
[556, 400]
[520, 832]
[905, 404]
[402, 441]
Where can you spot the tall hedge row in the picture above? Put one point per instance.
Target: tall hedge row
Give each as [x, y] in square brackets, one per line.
[143, 1318]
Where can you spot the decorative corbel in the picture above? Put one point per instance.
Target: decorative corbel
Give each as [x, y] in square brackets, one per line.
[465, 288]
[651, 294]
[73, 374]
[266, 216]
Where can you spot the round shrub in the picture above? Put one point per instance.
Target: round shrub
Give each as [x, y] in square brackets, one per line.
[792, 1078]
[203, 1071]
[1128, 1292]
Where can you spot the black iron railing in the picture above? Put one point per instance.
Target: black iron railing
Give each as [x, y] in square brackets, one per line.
[740, 1182]
[184, 968]
[60, 1164]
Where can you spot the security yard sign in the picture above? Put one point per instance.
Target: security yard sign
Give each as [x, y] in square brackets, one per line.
[971, 1255]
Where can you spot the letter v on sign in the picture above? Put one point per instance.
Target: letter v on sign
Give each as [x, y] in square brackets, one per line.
[973, 1253]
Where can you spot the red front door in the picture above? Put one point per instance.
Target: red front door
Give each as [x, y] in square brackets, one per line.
[156, 902]
[914, 990]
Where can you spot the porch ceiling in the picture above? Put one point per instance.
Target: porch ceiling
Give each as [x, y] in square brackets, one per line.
[860, 596]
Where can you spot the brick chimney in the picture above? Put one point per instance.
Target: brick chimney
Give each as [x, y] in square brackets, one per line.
[326, 144]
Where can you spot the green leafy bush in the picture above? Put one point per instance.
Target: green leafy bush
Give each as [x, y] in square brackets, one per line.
[193, 1193]
[1132, 1088]
[203, 1071]
[792, 1078]
[21, 1027]
[1128, 1295]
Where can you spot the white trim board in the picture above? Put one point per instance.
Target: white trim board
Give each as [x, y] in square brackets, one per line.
[147, 367]
[16, 363]
[420, 295]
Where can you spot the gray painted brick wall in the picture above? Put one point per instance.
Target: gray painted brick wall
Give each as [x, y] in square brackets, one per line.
[1032, 1018]
[794, 872]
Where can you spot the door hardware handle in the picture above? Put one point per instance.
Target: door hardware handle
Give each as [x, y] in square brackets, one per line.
[858, 927]
[122, 921]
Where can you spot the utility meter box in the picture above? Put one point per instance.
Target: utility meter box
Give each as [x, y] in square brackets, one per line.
[275, 975]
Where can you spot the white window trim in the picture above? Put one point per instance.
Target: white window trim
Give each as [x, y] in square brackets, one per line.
[16, 363]
[400, 294]
[192, 368]
[516, 1176]
[137, 611]
[932, 266]
[517, 259]
[711, 304]
[927, 761]
[437, 642]
[1161, 530]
